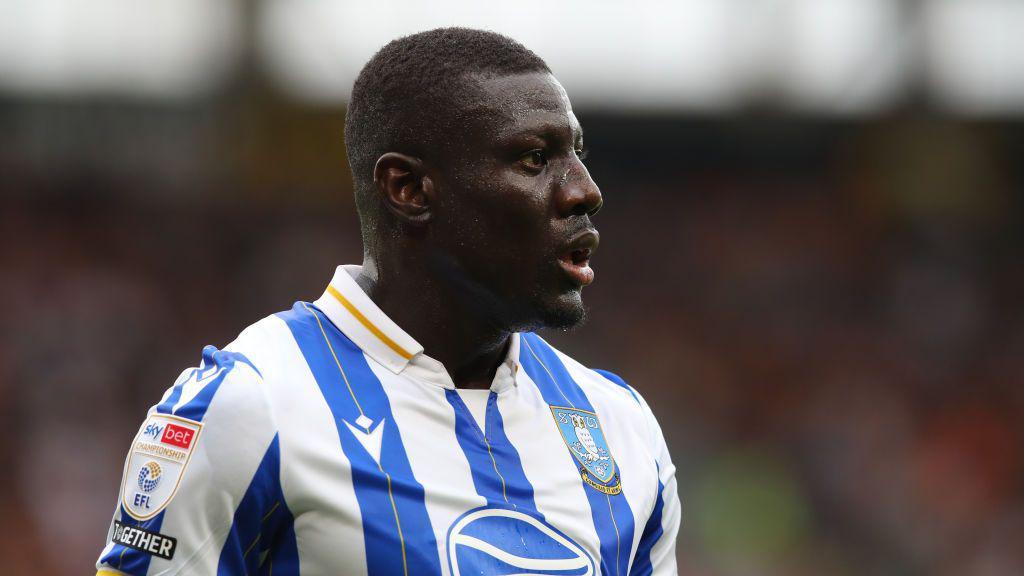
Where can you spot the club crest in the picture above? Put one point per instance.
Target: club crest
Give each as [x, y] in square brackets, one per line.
[582, 433]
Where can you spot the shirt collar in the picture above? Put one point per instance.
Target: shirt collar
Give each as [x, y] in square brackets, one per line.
[355, 314]
[359, 318]
[426, 369]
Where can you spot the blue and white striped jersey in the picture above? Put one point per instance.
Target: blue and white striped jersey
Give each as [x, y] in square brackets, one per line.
[323, 441]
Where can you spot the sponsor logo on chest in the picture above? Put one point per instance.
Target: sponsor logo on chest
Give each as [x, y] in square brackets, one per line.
[503, 541]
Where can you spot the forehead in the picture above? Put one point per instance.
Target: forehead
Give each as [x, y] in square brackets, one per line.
[521, 103]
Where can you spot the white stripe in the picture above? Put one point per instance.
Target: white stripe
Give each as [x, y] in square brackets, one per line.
[194, 385]
[476, 401]
[663, 553]
[238, 429]
[316, 477]
[629, 440]
[558, 488]
[426, 423]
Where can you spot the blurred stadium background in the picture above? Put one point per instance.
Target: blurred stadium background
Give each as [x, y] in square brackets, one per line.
[811, 260]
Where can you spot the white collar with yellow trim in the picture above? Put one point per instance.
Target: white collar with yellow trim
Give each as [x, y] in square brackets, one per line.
[352, 311]
[359, 318]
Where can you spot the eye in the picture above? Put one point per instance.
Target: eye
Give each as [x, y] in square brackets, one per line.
[534, 159]
[582, 153]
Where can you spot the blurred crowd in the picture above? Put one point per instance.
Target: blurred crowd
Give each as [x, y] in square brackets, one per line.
[826, 316]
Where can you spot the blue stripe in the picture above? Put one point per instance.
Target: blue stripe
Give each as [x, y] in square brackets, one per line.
[652, 533]
[615, 379]
[213, 360]
[172, 399]
[494, 463]
[612, 517]
[135, 562]
[485, 478]
[195, 409]
[520, 491]
[129, 560]
[260, 518]
[284, 556]
[374, 484]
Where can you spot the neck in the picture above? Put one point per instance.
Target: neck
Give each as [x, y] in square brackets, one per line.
[441, 317]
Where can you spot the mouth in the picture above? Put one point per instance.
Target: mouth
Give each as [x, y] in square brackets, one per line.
[575, 259]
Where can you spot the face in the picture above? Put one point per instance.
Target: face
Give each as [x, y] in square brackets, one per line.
[514, 201]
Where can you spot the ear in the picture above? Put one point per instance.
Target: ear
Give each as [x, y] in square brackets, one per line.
[403, 183]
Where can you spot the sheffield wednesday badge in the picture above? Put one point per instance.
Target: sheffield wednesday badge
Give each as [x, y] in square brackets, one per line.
[582, 433]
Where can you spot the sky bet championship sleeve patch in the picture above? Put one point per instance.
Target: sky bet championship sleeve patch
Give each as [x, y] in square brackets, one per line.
[160, 452]
[144, 540]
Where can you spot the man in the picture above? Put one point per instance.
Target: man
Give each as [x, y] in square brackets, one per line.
[408, 422]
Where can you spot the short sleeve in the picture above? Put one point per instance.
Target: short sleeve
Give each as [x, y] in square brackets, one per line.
[201, 479]
[656, 552]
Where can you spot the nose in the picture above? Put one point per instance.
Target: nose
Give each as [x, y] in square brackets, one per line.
[577, 193]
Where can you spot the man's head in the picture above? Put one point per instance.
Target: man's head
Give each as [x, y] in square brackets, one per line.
[465, 154]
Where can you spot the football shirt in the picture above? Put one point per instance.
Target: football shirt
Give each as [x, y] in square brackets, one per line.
[323, 441]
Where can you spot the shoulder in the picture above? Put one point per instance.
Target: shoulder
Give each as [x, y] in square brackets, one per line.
[229, 383]
[245, 378]
[200, 448]
[261, 343]
[224, 399]
[619, 406]
[601, 386]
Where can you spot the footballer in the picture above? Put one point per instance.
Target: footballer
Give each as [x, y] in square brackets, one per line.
[409, 421]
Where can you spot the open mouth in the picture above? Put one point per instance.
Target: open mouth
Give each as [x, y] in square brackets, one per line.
[577, 264]
[580, 257]
[576, 260]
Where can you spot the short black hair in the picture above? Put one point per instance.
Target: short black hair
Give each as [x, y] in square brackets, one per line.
[402, 95]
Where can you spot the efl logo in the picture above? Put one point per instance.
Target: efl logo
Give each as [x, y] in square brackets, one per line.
[177, 436]
[147, 486]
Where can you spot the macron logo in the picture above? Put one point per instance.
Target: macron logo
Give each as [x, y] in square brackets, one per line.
[177, 436]
[370, 440]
